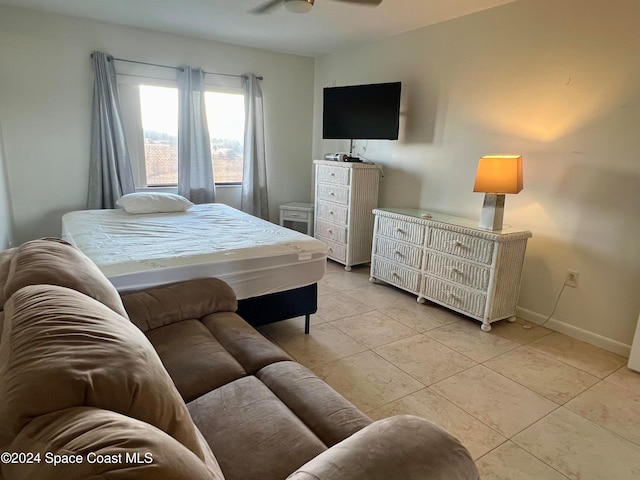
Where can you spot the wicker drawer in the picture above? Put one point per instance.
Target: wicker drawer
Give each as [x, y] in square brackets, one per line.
[332, 212]
[296, 215]
[395, 274]
[454, 296]
[335, 251]
[461, 245]
[337, 233]
[337, 175]
[399, 252]
[333, 193]
[401, 230]
[457, 271]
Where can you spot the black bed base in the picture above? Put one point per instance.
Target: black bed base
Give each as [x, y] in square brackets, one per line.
[280, 306]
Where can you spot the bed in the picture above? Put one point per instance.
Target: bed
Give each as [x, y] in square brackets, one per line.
[273, 270]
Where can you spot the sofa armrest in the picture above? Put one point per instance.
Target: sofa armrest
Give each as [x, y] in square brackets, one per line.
[404, 446]
[190, 299]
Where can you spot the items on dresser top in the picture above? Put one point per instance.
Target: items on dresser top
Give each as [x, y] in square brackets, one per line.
[346, 194]
[450, 261]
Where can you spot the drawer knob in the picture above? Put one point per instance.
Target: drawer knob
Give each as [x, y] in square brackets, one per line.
[398, 253]
[332, 174]
[330, 212]
[395, 274]
[399, 230]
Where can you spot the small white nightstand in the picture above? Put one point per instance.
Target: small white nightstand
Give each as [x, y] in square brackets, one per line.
[297, 212]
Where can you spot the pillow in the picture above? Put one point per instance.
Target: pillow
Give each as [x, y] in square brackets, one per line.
[62, 349]
[110, 445]
[55, 262]
[153, 202]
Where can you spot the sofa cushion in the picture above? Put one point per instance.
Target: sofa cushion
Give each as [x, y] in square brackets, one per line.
[252, 350]
[62, 349]
[56, 262]
[196, 362]
[104, 445]
[252, 433]
[327, 413]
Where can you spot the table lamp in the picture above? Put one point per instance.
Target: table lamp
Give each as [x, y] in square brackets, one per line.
[497, 175]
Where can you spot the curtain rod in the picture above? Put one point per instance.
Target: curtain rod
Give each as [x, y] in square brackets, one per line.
[176, 68]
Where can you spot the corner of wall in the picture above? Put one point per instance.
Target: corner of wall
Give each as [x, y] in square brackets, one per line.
[6, 208]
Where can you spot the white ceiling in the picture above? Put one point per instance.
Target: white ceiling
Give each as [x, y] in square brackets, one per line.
[331, 24]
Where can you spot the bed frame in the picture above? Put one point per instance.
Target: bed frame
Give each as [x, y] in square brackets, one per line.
[280, 306]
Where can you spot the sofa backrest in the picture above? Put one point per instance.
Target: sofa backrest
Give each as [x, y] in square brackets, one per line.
[55, 262]
[109, 446]
[61, 350]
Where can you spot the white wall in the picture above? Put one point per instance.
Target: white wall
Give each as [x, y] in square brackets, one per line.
[6, 210]
[559, 83]
[45, 102]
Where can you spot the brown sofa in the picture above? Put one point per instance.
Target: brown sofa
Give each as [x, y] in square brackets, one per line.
[169, 383]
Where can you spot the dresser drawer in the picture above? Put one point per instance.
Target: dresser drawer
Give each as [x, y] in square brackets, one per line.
[454, 296]
[335, 251]
[332, 231]
[395, 274]
[404, 253]
[462, 245]
[295, 215]
[333, 193]
[338, 175]
[332, 212]
[457, 271]
[401, 230]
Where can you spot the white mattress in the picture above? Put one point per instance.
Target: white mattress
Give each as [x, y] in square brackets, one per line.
[254, 256]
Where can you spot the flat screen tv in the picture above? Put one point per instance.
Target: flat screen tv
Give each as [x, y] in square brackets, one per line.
[362, 112]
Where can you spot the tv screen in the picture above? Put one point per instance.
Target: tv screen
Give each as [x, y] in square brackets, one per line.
[362, 112]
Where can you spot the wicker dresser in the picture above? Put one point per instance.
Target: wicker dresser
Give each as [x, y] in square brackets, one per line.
[450, 261]
[346, 193]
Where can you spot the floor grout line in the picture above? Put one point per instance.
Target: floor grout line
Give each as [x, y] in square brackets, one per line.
[521, 343]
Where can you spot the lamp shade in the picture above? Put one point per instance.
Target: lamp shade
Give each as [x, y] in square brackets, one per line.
[499, 174]
[298, 6]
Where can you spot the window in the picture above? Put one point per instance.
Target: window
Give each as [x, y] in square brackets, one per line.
[159, 114]
[159, 119]
[225, 118]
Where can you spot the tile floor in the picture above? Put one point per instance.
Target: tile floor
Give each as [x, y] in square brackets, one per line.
[528, 403]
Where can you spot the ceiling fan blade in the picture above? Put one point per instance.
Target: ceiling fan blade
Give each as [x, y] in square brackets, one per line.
[266, 7]
[373, 3]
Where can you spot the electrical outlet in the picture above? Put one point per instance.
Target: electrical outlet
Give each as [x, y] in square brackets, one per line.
[572, 278]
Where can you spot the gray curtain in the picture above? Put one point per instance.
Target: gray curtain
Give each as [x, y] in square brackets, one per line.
[195, 171]
[254, 183]
[110, 174]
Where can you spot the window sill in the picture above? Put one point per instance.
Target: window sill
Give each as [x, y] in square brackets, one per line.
[174, 189]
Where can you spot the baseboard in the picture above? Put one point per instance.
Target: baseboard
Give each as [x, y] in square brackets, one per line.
[576, 332]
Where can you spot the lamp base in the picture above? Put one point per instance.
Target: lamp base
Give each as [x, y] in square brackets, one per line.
[492, 211]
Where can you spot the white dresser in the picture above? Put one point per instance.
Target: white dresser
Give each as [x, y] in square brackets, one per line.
[450, 261]
[346, 193]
